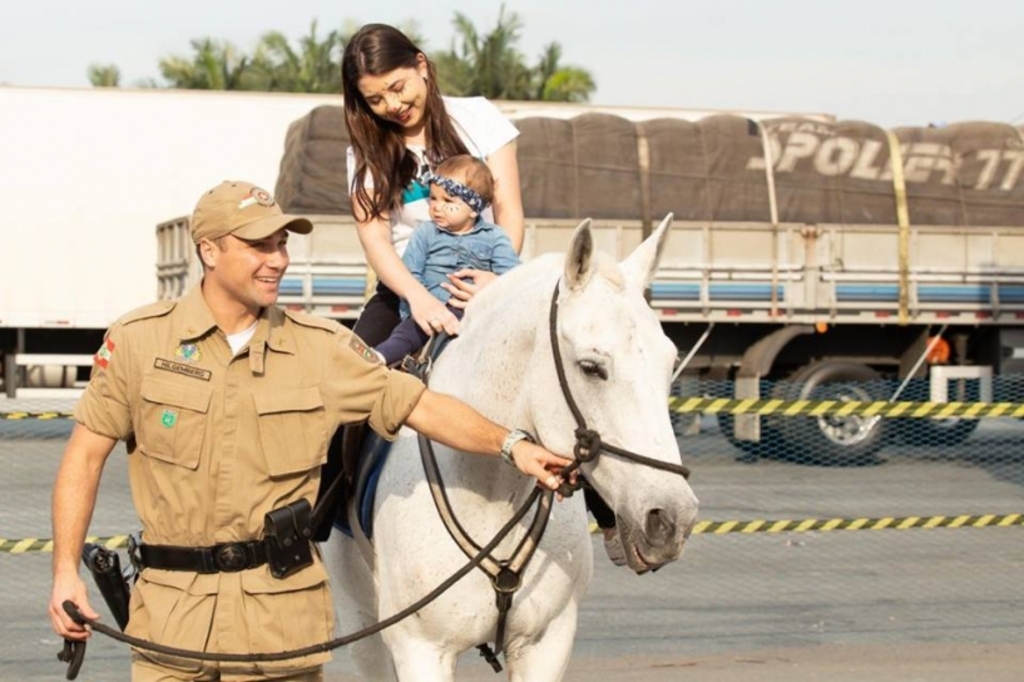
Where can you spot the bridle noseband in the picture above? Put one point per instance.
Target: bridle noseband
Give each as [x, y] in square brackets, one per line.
[588, 441]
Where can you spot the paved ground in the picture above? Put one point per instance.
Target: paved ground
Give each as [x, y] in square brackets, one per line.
[940, 605]
[828, 663]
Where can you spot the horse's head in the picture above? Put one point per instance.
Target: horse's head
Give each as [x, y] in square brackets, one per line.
[617, 366]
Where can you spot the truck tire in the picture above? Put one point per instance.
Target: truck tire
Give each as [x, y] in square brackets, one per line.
[942, 433]
[769, 447]
[925, 432]
[831, 440]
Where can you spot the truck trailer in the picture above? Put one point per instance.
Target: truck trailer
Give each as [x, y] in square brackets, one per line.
[809, 258]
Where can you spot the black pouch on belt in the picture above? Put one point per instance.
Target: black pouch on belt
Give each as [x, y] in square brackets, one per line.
[287, 533]
[105, 566]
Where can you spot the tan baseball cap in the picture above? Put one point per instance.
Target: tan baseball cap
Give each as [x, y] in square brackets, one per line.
[244, 210]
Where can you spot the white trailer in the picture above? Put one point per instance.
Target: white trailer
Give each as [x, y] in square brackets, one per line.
[86, 174]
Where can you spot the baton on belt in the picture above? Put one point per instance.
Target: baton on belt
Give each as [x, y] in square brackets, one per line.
[105, 566]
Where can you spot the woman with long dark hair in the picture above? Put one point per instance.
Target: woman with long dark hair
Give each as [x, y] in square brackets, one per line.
[401, 128]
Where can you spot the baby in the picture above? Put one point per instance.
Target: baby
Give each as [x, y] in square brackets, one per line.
[456, 237]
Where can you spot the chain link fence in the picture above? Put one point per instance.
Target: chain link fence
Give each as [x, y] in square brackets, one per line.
[850, 518]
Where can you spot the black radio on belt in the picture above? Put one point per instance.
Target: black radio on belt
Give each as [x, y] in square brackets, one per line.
[287, 533]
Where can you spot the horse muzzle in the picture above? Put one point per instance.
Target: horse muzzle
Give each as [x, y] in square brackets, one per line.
[659, 539]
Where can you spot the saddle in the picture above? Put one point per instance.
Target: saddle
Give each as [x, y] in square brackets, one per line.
[355, 459]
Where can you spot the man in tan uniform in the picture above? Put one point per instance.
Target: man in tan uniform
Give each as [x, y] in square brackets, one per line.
[227, 403]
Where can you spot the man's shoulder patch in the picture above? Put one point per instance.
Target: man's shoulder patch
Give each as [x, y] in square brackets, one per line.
[158, 309]
[307, 320]
[364, 351]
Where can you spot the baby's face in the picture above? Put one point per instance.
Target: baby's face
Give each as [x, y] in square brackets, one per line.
[451, 213]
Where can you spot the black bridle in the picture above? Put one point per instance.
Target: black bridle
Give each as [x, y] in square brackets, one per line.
[588, 447]
[588, 441]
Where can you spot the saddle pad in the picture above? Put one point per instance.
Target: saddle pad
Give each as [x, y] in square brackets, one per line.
[373, 453]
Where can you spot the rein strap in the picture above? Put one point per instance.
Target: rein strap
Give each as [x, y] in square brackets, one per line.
[588, 441]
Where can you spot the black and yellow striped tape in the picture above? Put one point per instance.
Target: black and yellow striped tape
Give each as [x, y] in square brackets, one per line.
[842, 408]
[764, 407]
[27, 545]
[20, 416]
[881, 523]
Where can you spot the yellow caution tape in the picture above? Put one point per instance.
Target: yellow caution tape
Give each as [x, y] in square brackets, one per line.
[765, 407]
[842, 408]
[880, 523]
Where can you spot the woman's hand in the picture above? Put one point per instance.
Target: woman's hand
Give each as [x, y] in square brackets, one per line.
[465, 284]
[432, 316]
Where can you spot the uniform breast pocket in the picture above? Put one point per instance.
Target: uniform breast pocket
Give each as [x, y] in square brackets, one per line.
[172, 421]
[293, 429]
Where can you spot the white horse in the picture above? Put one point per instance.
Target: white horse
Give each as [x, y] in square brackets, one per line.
[618, 364]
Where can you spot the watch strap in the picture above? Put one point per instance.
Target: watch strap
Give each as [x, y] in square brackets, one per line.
[511, 439]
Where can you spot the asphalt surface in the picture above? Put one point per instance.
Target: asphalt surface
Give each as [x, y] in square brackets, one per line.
[938, 605]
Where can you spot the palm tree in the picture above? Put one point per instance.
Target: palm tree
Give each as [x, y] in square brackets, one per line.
[314, 67]
[487, 65]
[490, 65]
[104, 75]
[477, 64]
[557, 83]
[213, 66]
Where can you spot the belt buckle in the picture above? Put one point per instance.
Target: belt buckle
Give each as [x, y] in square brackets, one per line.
[230, 558]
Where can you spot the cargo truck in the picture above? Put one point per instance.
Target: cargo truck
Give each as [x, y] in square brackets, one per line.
[809, 258]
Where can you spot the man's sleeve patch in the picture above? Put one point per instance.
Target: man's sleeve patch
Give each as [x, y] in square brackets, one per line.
[104, 354]
[364, 351]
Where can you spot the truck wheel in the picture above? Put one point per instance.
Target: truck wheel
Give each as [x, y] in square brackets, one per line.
[769, 447]
[832, 440]
[924, 432]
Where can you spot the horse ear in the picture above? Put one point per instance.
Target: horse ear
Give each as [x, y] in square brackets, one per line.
[641, 265]
[579, 258]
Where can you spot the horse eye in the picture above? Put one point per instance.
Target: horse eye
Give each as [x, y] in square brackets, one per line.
[593, 369]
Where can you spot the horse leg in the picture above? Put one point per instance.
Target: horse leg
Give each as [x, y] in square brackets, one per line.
[355, 592]
[420, 661]
[545, 659]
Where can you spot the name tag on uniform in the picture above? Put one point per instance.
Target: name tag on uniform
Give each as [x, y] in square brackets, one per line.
[181, 368]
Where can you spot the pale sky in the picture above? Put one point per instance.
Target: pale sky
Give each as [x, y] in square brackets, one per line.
[889, 62]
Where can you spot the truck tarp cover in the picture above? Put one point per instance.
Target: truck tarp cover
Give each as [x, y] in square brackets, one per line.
[604, 166]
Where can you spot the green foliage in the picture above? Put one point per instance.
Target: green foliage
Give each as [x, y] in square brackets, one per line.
[215, 65]
[490, 64]
[487, 64]
[314, 67]
[104, 75]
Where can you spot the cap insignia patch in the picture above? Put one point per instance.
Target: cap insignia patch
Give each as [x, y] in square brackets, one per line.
[257, 196]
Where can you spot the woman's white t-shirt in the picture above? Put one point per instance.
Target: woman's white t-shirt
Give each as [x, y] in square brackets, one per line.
[483, 129]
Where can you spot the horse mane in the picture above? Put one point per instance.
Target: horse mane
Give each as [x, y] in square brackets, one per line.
[545, 268]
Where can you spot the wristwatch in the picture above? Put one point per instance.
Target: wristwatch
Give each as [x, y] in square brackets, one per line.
[510, 442]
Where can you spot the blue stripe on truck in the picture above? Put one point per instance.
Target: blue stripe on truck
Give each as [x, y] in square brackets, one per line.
[717, 291]
[325, 286]
[338, 286]
[931, 293]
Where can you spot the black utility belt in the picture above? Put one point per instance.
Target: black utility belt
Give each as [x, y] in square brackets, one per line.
[224, 558]
[287, 548]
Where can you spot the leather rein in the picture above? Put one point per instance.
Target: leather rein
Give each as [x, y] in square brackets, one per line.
[506, 575]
